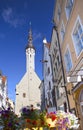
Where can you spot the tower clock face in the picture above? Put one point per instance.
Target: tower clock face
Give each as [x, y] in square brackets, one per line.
[32, 51]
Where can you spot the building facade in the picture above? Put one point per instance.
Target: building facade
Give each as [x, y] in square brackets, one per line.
[27, 90]
[10, 104]
[58, 73]
[68, 18]
[42, 92]
[48, 82]
[3, 91]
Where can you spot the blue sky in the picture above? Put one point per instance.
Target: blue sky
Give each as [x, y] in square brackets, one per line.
[15, 16]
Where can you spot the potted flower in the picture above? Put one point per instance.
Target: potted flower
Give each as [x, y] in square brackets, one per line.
[9, 120]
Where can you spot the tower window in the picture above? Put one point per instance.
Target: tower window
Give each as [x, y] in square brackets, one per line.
[30, 55]
[24, 95]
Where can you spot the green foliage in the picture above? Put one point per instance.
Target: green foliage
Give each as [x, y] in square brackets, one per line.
[30, 113]
[9, 120]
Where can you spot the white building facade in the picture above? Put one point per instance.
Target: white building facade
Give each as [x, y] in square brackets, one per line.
[3, 91]
[48, 83]
[27, 90]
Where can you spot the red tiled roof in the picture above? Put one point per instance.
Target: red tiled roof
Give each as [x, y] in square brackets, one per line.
[47, 45]
[3, 79]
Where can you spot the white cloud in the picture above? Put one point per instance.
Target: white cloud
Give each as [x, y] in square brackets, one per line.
[36, 36]
[12, 18]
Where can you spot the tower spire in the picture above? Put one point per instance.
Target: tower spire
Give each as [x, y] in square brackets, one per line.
[30, 52]
[30, 38]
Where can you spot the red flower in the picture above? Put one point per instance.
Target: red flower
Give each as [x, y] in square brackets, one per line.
[53, 117]
[34, 122]
[28, 120]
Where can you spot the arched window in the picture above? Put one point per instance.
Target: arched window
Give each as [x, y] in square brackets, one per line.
[81, 101]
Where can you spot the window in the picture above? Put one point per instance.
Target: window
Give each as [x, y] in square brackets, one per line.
[48, 70]
[24, 95]
[68, 8]
[57, 92]
[78, 37]
[56, 43]
[58, 60]
[49, 96]
[58, 13]
[65, 106]
[55, 71]
[61, 107]
[53, 96]
[53, 57]
[49, 85]
[62, 32]
[68, 61]
[56, 66]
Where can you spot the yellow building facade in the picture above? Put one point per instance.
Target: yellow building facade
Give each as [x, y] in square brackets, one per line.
[68, 18]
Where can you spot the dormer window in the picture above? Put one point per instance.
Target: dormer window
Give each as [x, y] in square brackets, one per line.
[62, 32]
[58, 13]
[69, 5]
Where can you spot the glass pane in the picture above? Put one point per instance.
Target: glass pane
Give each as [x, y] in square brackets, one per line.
[68, 61]
[82, 40]
[76, 36]
[71, 2]
[79, 29]
[79, 47]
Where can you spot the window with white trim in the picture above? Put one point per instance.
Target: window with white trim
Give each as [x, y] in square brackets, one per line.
[68, 60]
[62, 32]
[78, 37]
[69, 5]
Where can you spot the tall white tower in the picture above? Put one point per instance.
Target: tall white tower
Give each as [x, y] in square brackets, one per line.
[30, 53]
[27, 90]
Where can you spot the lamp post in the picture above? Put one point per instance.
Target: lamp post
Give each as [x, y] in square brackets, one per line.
[55, 27]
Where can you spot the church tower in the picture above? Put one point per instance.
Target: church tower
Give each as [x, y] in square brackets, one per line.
[30, 53]
[27, 90]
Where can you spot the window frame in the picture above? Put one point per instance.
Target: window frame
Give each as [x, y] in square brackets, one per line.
[68, 49]
[24, 95]
[67, 8]
[62, 28]
[58, 12]
[78, 20]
